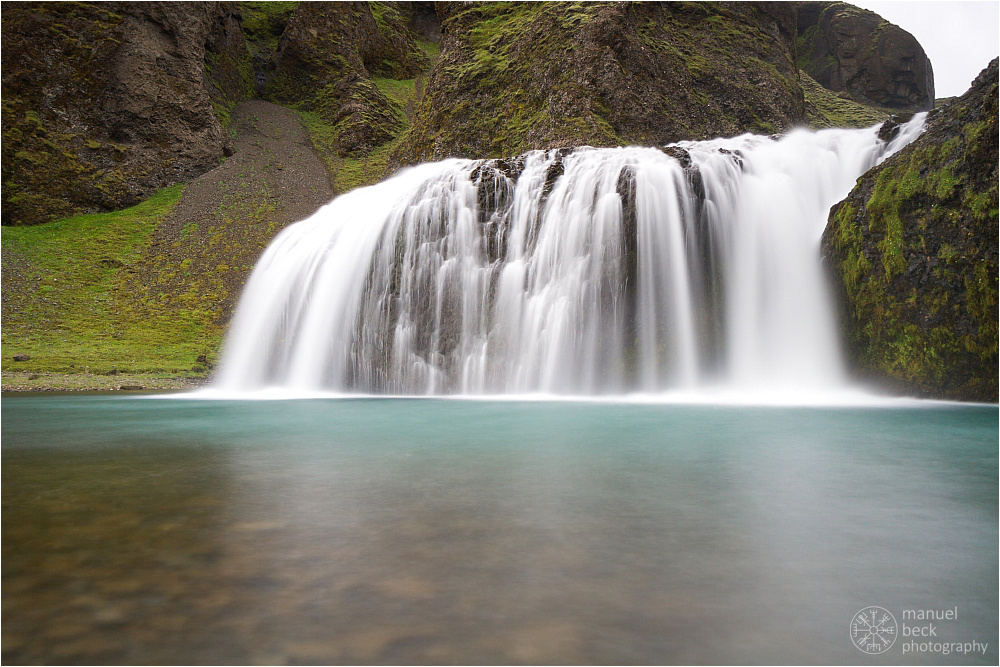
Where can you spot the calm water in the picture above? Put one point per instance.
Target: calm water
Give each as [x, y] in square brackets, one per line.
[450, 531]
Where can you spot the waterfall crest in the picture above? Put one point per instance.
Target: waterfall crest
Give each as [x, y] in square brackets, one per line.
[586, 271]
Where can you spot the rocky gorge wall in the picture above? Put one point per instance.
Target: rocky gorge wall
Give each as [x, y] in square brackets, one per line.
[519, 76]
[913, 252]
[857, 53]
[104, 103]
[326, 60]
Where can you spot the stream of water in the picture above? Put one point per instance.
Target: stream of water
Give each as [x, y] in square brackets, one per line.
[591, 271]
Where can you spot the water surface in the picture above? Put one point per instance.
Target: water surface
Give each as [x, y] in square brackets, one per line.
[450, 531]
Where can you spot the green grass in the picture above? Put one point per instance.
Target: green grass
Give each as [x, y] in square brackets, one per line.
[830, 110]
[431, 49]
[347, 173]
[400, 91]
[64, 301]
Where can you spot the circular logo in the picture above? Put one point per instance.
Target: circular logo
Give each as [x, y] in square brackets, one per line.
[873, 630]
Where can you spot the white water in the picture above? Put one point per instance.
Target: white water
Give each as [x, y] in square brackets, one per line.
[432, 283]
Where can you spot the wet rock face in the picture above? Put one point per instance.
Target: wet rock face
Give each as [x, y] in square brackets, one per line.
[103, 103]
[913, 255]
[513, 77]
[857, 52]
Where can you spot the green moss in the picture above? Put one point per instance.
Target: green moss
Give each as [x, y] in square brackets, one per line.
[263, 23]
[431, 49]
[930, 212]
[883, 209]
[401, 92]
[981, 296]
[68, 311]
[827, 109]
[982, 204]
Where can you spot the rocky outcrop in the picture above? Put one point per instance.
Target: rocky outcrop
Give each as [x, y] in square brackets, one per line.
[913, 251]
[857, 52]
[325, 63]
[520, 76]
[103, 103]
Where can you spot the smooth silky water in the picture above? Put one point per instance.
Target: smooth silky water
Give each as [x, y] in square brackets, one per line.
[483, 531]
[665, 461]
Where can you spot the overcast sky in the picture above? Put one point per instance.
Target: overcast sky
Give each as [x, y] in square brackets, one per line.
[960, 38]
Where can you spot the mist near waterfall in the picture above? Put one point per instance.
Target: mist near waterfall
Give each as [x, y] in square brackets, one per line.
[592, 271]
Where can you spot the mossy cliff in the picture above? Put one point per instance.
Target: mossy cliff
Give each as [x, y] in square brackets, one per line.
[104, 103]
[519, 76]
[327, 60]
[857, 52]
[913, 250]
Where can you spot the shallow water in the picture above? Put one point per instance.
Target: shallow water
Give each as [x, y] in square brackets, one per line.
[445, 531]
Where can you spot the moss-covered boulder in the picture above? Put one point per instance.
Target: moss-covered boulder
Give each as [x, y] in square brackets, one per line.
[857, 52]
[913, 251]
[325, 63]
[103, 103]
[520, 76]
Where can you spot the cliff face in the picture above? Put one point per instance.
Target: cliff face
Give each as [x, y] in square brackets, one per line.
[913, 250]
[326, 61]
[854, 51]
[103, 103]
[519, 76]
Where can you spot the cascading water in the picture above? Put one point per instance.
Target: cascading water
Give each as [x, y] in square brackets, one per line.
[573, 272]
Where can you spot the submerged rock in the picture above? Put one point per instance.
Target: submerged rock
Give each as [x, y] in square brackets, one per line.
[913, 251]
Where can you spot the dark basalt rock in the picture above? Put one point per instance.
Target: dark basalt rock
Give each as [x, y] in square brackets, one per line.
[104, 103]
[735, 155]
[626, 188]
[913, 255]
[494, 181]
[514, 77]
[325, 61]
[890, 128]
[554, 171]
[857, 52]
[679, 154]
[510, 168]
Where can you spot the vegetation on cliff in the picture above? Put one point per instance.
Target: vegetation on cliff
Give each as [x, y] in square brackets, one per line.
[103, 104]
[825, 108]
[519, 76]
[350, 69]
[914, 252]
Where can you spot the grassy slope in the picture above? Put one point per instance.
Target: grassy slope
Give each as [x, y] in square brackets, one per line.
[92, 294]
[63, 297]
[825, 108]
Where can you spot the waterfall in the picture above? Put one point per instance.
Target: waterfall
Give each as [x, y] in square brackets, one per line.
[584, 271]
